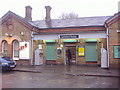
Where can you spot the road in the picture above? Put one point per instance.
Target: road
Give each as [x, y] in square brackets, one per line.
[51, 79]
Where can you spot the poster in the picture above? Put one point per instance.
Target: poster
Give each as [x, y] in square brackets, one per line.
[81, 51]
[24, 50]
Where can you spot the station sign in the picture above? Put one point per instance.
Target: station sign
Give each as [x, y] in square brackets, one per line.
[68, 36]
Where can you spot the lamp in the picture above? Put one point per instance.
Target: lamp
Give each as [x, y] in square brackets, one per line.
[22, 33]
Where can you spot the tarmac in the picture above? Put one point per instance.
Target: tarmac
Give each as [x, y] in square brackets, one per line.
[72, 70]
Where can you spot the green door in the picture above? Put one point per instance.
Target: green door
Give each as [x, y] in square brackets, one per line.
[91, 52]
[50, 51]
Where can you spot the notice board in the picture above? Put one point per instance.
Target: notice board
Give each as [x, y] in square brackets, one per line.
[116, 51]
[81, 51]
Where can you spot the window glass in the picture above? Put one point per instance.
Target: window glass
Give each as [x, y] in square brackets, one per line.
[5, 48]
[16, 49]
[116, 51]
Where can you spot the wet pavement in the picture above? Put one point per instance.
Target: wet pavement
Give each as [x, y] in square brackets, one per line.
[71, 70]
[59, 76]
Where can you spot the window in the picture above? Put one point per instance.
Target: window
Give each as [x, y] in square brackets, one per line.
[116, 51]
[5, 48]
[15, 49]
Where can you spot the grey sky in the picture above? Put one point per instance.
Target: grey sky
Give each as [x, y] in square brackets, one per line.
[84, 8]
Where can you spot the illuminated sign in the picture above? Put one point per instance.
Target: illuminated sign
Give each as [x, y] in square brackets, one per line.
[24, 50]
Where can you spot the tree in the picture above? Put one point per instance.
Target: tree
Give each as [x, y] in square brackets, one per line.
[68, 16]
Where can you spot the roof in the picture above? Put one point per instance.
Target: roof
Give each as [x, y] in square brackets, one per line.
[79, 22]
[62, 23]
[116, 15]
[9, 14]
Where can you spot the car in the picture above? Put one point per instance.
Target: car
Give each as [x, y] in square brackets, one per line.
[7, 63]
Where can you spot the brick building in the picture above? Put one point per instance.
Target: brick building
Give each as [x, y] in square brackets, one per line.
[113, 32]
[15, 29]
[47, 41]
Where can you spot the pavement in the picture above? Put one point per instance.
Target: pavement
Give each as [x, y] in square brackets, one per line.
[73, 70]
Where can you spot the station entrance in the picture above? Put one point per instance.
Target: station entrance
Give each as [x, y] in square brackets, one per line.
[72, 49]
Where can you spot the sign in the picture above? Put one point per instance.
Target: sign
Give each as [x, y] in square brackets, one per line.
[116, 51]
[81, 51]
[68, 36]
[24, 50]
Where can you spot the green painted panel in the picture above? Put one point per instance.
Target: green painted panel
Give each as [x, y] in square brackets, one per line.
[70, 40]
[91, 52]
[116, 51]
[51, 51]
[91, 40]
[49, 40]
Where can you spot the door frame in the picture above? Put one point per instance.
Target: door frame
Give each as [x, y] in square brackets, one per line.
[65, 47]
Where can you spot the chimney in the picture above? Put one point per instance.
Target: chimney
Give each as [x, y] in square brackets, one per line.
[28, 13]
[48, 9]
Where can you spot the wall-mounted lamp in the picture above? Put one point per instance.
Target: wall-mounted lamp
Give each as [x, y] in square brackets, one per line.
[61, 45]
[80, 41]
[118, 31]
[6, 34]
[22, 33]
[10, 35]
[99, 40]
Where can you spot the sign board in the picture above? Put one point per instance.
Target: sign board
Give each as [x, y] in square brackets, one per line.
[68, 36]
[24, 50]
[116, 51]
[81, 51]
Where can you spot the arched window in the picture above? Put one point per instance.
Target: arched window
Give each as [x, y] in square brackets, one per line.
[15, 49]
[5, 48]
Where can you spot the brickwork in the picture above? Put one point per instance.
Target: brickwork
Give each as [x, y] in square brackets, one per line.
[113, 41]
[16, 31]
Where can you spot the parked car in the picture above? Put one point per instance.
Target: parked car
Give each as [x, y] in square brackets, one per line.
[7, 63]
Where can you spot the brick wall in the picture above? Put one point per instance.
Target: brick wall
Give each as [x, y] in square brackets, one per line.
[113, 40]
[18, 27]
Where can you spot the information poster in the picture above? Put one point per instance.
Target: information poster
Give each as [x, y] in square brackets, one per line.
[24, 50]
[116, 51]
[81, 51]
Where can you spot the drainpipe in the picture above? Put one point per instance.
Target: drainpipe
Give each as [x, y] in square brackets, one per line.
[32, 47]
[108, 58]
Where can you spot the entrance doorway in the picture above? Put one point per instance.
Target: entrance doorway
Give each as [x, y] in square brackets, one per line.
[73, 54]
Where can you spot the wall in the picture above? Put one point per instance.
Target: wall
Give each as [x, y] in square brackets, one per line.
[16, 35]
[113, 40]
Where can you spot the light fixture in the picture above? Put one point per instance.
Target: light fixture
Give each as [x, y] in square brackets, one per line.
[118, 31]
[21, 33]
[6, 34]
[61, 45]
[10, 35]
[80, 41]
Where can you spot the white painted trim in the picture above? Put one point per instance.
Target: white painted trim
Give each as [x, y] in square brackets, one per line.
[81, 36]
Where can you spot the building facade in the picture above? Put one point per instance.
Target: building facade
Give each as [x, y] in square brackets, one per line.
[16, 34]
[113, 31]
[47, 41]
